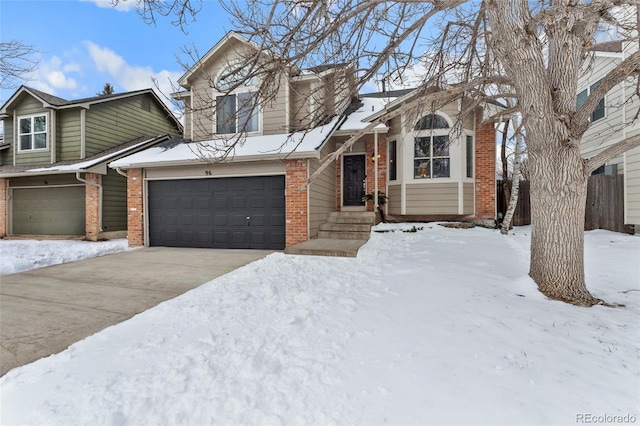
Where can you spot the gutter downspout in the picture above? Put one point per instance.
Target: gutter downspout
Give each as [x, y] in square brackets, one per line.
[99, 186]
[121, 172]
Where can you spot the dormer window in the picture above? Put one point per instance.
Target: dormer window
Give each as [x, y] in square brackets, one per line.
[32, 132]
[237, 111]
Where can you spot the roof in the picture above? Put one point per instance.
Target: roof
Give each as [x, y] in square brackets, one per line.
[56, 102]
[358, 113]
[86, 164]
[303, 144]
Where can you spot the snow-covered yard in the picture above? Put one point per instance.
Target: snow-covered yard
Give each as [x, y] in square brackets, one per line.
[24, 255]
[438, 326]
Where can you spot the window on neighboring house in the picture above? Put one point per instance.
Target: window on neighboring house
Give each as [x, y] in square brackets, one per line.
[599, 111]
[393, 164]
[469, 156]
[431, 148]
[32, 132]
[239, 111]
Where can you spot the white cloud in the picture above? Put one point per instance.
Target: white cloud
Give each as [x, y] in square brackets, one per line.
[131, 77]
[123, 5]
[53, 75]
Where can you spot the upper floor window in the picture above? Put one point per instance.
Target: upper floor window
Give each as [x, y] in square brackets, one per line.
[32, 132]
[597, 113]
[431, 148]
[237, 111]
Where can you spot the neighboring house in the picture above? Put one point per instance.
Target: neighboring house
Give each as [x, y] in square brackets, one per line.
[54, 178]
[615, 119]
[186, 193]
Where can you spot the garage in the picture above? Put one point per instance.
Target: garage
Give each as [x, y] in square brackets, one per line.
[49, 211]
[237, 212]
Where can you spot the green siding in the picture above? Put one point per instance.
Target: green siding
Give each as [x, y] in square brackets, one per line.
[114, 202]
[51, 180]
[6, 155]
[68, 140]
[27, 107]
[113, 123]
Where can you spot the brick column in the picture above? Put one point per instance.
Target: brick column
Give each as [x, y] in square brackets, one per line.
[297, 224]
[4, 188]
[92, 206]
[485, 170]
[382, 166]
[135, 208]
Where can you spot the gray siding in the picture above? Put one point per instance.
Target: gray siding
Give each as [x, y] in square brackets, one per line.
[395, 199]
[468, 198]
[68, 144]
[114, 202]
[322, 191]
[112, 123]
[27, 107]
[436, 198]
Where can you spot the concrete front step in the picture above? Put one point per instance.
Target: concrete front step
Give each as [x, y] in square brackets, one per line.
[327, 247]
[352, 217]
[344, 235]
[345, 227]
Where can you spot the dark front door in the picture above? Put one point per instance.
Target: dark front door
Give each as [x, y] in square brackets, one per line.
[354, 174]
[242, 212]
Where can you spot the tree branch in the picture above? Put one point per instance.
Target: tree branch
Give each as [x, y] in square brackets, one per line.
[611, 152]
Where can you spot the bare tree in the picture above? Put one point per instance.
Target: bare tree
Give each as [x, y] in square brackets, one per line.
[531, 51]
[514, 189]
[16, 63]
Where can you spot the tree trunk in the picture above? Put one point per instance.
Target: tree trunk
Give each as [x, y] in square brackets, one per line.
[558, 198]
[515, 184]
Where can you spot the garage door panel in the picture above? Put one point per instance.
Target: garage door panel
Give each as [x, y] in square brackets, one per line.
[216, 210]
[49, 211]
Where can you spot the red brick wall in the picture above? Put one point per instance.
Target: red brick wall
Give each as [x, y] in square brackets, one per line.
[4, 185]
[297, 218]
[382, 167]
[92, 206]
[135, 208]
[485, 170]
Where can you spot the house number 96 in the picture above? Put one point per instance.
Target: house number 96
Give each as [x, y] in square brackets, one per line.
[208, 173]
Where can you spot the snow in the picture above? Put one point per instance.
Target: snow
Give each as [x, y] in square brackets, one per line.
[248, 147]
[24, 255]
[86, 164]
[357, 120]
[437, 326]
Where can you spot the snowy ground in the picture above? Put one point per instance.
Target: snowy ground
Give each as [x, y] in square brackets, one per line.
[24, 255]
[440, 326]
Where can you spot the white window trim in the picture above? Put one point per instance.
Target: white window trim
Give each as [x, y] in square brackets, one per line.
[236, 91]
[430, 134]
[46, 132]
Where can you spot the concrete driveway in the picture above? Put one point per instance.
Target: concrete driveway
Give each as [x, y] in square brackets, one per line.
[45, 310]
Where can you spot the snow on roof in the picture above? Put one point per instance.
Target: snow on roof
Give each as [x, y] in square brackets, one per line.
[357, 119]
[300, 144]
[89, 163]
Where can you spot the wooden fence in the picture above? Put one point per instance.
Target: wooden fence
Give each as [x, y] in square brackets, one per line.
[604, 209]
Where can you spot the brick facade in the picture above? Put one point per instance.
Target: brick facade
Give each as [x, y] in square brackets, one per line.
[382, 167]
[297, 208]
[4, 187]
[135, 208]
[92, 206]
[485, 163]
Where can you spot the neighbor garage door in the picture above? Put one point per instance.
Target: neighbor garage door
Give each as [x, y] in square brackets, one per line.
[48, 211]
[243, 212]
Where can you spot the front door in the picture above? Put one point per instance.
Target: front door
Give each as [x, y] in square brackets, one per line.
[353, 182]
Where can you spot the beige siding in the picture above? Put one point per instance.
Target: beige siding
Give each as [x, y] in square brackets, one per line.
[274, 112]
[632, 187]
[68, 144]
[437, 198]
[300, 114]
[322, 191]
[114, 202]
[111, 123]
[27, 107]
[395, 199]
[252, 168]
[468, 198]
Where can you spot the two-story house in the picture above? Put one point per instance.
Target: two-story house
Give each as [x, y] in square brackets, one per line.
[204, 191]
[615, 119]
[54, 178]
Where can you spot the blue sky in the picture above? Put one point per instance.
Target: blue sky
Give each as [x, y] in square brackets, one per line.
[84, 44]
